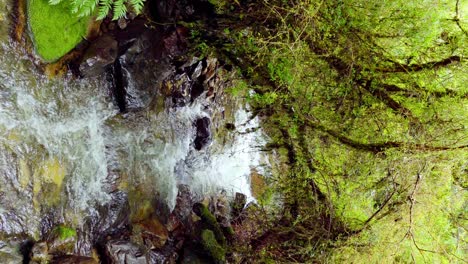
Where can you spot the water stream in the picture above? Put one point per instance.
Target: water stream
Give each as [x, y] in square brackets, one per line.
[65, 148]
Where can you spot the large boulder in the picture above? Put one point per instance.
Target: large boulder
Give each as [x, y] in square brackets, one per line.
[55, 29]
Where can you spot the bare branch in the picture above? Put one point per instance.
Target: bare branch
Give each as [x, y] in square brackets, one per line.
[419, 67]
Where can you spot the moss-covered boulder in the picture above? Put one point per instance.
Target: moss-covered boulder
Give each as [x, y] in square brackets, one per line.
[61, 240]
[208, 221]
[55, 29]
[212, 247]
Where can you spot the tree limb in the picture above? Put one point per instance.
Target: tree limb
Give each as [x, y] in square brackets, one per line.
[419, 67]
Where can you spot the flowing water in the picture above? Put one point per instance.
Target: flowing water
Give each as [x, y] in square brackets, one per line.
[65, 148]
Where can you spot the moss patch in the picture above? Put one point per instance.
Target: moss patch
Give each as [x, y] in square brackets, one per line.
[64, 232]
[209, 222]
[55, 30]
[215, 250]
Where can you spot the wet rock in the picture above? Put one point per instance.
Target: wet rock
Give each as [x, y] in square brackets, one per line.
[191, 80]
[184, 202]
[104, 220]
[40, 253]
[230, 126]
[222, 210]
[153, 232]
[121, 251]
[102, 52]
[71, 259]
[175, 42]
[119, 83]
[178, 87]
[212, 246]
[62, 240]
[190, 257]
[9, 253]
[203, 135]
[122, 23]
[238, 205]
[258, 184]
[208, 222]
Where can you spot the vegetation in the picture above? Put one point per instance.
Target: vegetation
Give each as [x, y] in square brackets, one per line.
[64, 232]
[212, 247]
[84, 8]
[367, 102]
[54, 29]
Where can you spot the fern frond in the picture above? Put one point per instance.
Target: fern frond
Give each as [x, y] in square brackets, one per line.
[87, 7]
[104, 9]
[137, 5]
[55, 2]
[120, 9]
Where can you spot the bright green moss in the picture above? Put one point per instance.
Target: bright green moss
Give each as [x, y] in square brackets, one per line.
[64, 232]
[210, 222]
[55, 29]
[216, 251]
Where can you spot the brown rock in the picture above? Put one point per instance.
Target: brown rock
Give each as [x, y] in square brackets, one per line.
[70, 259]
[40, 253]
[153, 232]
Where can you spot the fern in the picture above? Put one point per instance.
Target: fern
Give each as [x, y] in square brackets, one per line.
[137, 5]
[105, 7]
[119, 8]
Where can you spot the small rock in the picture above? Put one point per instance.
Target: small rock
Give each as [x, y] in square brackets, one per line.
[62, 240]
[71, 259]
[153, 233]
[122, 23]
[102, 52]
[121, 251]
[40, 253]
[238, 205]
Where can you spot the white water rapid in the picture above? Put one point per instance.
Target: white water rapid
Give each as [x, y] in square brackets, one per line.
[62, 140]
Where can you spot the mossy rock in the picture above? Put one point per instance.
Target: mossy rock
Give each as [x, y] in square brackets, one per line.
[55, 29]
[62, 240]
[208, 221]
[212, 247]
[64, 232]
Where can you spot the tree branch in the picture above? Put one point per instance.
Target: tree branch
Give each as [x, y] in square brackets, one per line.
[419, 67]
[377, 146]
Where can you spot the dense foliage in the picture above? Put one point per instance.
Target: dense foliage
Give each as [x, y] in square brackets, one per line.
[366, 101]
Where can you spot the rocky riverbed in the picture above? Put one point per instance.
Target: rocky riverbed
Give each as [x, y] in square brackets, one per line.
[127, 150]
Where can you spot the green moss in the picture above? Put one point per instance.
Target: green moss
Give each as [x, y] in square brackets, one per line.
[213, 248]
[64, 232]
[55, 30]
[209, 221]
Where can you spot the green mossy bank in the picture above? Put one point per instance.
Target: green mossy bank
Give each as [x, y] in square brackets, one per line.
[55, 29]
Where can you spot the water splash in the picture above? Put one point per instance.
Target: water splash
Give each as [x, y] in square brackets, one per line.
[74, 124]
